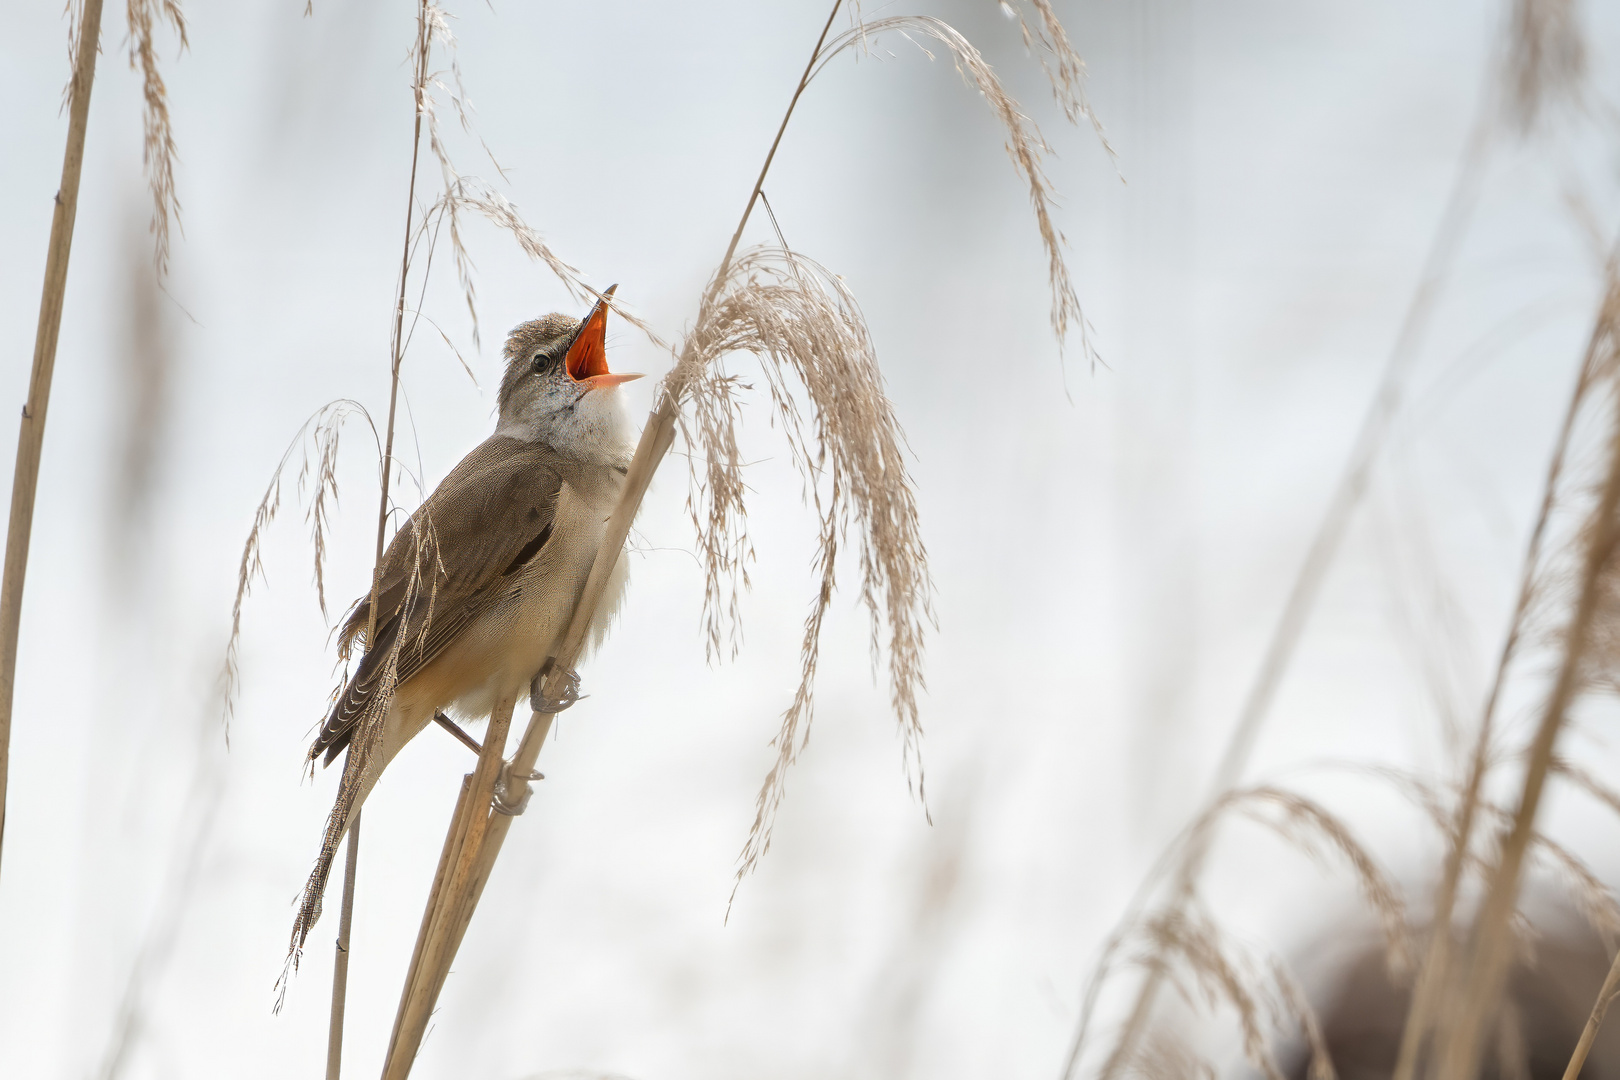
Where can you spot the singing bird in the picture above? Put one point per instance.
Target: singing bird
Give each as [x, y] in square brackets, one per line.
[477, 589]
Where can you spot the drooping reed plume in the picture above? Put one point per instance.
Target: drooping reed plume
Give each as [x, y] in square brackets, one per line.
[158, 151]
[803, 322]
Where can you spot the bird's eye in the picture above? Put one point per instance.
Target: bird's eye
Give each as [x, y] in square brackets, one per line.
[540, 363]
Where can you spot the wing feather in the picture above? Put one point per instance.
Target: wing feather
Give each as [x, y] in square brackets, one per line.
[450, 561]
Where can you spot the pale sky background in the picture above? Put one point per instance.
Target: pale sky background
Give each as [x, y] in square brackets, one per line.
[1108, 561]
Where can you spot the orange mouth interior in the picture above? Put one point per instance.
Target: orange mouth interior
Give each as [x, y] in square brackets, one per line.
[587, 356]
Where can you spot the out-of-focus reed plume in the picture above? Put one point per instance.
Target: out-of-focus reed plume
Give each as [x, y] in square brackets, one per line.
[1546, 61]
[1180, 938]
[158, 147]
[1209, 969]
[144, 380]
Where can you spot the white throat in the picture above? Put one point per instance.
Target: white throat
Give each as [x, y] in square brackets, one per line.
[595, 431]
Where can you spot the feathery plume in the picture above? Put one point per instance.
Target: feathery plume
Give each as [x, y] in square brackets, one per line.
[801, 320]
[158, 147]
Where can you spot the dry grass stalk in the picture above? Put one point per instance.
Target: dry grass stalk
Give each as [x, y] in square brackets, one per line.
[357, 760]
[31, 435]
[461, 877]
[157, 148]
[1490, 951]
[1606, 995]
[1312, 575]
[1434, 974]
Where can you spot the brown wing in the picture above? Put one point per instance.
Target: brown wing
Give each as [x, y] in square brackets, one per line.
[489, 517]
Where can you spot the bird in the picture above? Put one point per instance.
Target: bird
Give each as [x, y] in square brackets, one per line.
[477, 588]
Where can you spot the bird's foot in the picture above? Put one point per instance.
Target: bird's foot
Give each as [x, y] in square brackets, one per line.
[512, 792]
[570, 694]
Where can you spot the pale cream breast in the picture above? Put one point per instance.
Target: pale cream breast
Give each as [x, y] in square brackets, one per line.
[510, 642]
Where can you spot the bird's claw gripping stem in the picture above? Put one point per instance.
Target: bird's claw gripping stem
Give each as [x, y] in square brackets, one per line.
[570, 694]
[512, 793]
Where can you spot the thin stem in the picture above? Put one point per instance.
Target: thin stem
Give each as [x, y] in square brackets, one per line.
[1611, 986]
[340, 965]
[31, 435]
[804, 80]
[351, 863]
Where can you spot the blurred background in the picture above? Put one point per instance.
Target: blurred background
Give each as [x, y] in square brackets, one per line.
[1111, 545]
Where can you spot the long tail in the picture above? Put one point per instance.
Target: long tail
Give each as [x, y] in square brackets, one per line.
[362, 734]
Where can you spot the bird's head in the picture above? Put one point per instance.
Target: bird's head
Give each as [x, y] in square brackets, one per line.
[558, 390]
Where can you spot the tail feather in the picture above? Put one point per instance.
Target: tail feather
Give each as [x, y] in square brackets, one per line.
[338, 731]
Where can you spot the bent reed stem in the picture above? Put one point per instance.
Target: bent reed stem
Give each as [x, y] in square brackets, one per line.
[31, 435]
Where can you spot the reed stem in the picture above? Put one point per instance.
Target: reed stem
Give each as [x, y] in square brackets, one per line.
[31, 435]
[340, 964]
[1611, 987]
[351, 862]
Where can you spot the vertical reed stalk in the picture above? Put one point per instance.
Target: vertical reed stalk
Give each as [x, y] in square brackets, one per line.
[1491, 944]
[31, 436]
[448, 911]
[340, 963]
[1313, 572]
[476, 832]
[351, 862]
[1611, 987]
[1432, 977]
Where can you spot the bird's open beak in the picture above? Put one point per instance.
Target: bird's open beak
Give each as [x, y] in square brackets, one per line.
[587, 356]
